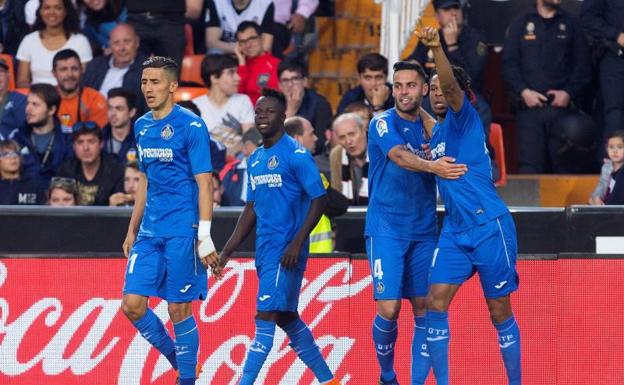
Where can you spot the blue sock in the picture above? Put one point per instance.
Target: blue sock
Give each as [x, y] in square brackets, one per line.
[509, 342]
[186, 345]
[302, 342]
[258, 351]
[420, 356]
[438, 344]
[153, 330]
[384, 336]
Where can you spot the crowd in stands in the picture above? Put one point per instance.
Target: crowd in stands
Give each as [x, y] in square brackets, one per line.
[70, 92]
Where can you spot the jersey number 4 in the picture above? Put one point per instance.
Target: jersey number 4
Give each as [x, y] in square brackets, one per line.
[377, 270]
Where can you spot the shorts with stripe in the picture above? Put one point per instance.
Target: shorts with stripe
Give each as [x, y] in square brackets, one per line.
[489, 249]
[278, 287]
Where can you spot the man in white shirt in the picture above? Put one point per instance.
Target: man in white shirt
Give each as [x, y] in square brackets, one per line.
[227, 113]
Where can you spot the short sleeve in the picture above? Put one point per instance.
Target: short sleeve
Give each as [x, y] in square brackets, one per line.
[80, 44]
[137, 127]
[383, 133]
[25, 49]
[267, 20]
[466, 117]
[307, 174]
[251, 192]
[212, 17]
[247, 110]
[198, 147]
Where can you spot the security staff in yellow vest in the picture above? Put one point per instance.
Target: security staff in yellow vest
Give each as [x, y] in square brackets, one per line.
[321, 237]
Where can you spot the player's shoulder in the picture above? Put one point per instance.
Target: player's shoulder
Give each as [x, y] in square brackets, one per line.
[380, 122]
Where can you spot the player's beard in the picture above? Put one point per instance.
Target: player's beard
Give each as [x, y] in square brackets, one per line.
[412, 108]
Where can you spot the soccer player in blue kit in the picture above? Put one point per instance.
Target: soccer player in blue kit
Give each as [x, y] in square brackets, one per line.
[285, 199]
[478, 234]
[401, 226]
[173, 208]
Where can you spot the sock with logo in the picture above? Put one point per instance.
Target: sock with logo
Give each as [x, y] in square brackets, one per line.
[187, 345]
[384, 336]
[420, 356]
[153, 330]
[509, 342]
[302, 342]
[438, 344]
[258, 351]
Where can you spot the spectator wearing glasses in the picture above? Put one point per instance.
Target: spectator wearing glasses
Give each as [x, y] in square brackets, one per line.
[98, 176]
[16, 189]
[257, 68]
[63, 192]
[303, 101]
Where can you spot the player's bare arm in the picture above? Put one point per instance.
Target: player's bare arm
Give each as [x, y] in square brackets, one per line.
[291, 254]
[246, 223]
[205, 246]
[444, 167]
[451, 89]
[137, 214]
[428, 121]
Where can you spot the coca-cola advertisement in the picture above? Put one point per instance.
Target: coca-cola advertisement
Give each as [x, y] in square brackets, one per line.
[61, 324]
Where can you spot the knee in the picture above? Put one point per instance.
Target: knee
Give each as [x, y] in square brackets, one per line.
[500, 311]
[389, 309]
[133, 310]
[437, 302]
[419, 306]
[287, 318]
[179, 311]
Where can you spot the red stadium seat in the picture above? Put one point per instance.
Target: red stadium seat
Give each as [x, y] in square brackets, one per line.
[188, 93]
[496, 140]
[191, 69]
[9, 59]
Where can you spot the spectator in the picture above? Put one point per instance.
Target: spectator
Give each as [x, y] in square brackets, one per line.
[12, 106]
[257, 68]
[16, 189]
[349, 160]
[374, 89]
[13, 26]
[546, 67]
[78, 103]
[118, 135]
[234, 175]
[290, 17]
[160, 25]
[226, 112]
[46, 146]
[604, 21]
[98, 176]
[217, 149]
[121, 68]
[63, 192]
[303, 101]
[223, 17]
[132, 177]
[55, 29]
[612, 191]
[100, 18]
[364, 111]
[302, 131]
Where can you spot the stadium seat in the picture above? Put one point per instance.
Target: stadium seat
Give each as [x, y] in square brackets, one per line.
[496, 140]
[188, 93]
[189, 48]
[9, 59]
[191, 69]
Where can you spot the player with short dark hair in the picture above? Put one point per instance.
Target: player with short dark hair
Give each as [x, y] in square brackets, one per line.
[285, 199]
[401, 228]
[478, 234]
[173, 207]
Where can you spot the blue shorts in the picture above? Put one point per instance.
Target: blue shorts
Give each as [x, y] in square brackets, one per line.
[168, 268]
[278, 287]
[489, 249]
[399, 267]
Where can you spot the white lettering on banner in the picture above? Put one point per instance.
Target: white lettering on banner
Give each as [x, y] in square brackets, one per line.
[94, 348]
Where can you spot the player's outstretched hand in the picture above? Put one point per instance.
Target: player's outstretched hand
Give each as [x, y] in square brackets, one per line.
[446, 168]
[128, 242]
[429, 36]
[291, 254]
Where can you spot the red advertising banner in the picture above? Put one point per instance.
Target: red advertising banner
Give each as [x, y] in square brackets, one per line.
[60, 324]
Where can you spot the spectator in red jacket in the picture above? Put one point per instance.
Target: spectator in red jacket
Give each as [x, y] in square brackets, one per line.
[256, 68]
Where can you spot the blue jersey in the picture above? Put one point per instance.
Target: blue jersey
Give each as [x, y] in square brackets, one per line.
[472, 199]
[283, 180]
[401, 203]
[172, 151]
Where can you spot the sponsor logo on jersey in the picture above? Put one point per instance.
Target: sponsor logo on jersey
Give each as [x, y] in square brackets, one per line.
[438, 151]
[272, 180]
[162, 154]
[382, 127]
[273, 163]
[167, 132]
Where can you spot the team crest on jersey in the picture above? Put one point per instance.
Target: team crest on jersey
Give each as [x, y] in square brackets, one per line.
[167, 132]
[380, 288]
[273, 162]
[382, 127]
